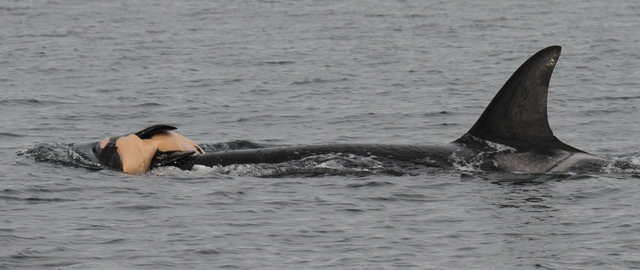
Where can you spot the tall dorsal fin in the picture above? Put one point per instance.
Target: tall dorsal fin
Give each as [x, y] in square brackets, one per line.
[517, 115]
[147, 133]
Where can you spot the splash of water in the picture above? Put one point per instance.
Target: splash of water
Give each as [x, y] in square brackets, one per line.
[59, 154]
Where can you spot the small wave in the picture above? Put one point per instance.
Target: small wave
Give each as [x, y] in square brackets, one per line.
[139, 207]
[59, 154]
[148, 104]
[34, 200]
[625, 164]
[318, 80]
[502, 178]
[279, 62]
[29, 101]
[43, 257]
[614, 98]
[7, 134]
[14, 8]
[370, 184]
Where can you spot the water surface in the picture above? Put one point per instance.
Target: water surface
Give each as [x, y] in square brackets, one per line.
[305, 72]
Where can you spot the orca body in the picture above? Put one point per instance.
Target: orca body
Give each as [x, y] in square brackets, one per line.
[511, 135]
[136, 153]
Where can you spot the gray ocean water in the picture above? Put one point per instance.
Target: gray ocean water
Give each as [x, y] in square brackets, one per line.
[309, 72]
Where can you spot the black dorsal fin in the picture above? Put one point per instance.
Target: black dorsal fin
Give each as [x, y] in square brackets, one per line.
[517, 115]
[147, 133]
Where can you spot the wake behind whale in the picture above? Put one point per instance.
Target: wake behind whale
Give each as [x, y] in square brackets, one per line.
[511, 135]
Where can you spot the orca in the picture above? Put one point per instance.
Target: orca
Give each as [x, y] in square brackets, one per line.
[511, 135]
[136, 153]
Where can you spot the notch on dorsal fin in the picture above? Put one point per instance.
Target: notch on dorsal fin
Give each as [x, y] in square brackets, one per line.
[147, 133]
[517, 115]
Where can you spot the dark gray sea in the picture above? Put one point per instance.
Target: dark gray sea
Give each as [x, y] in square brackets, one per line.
[236, 73]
